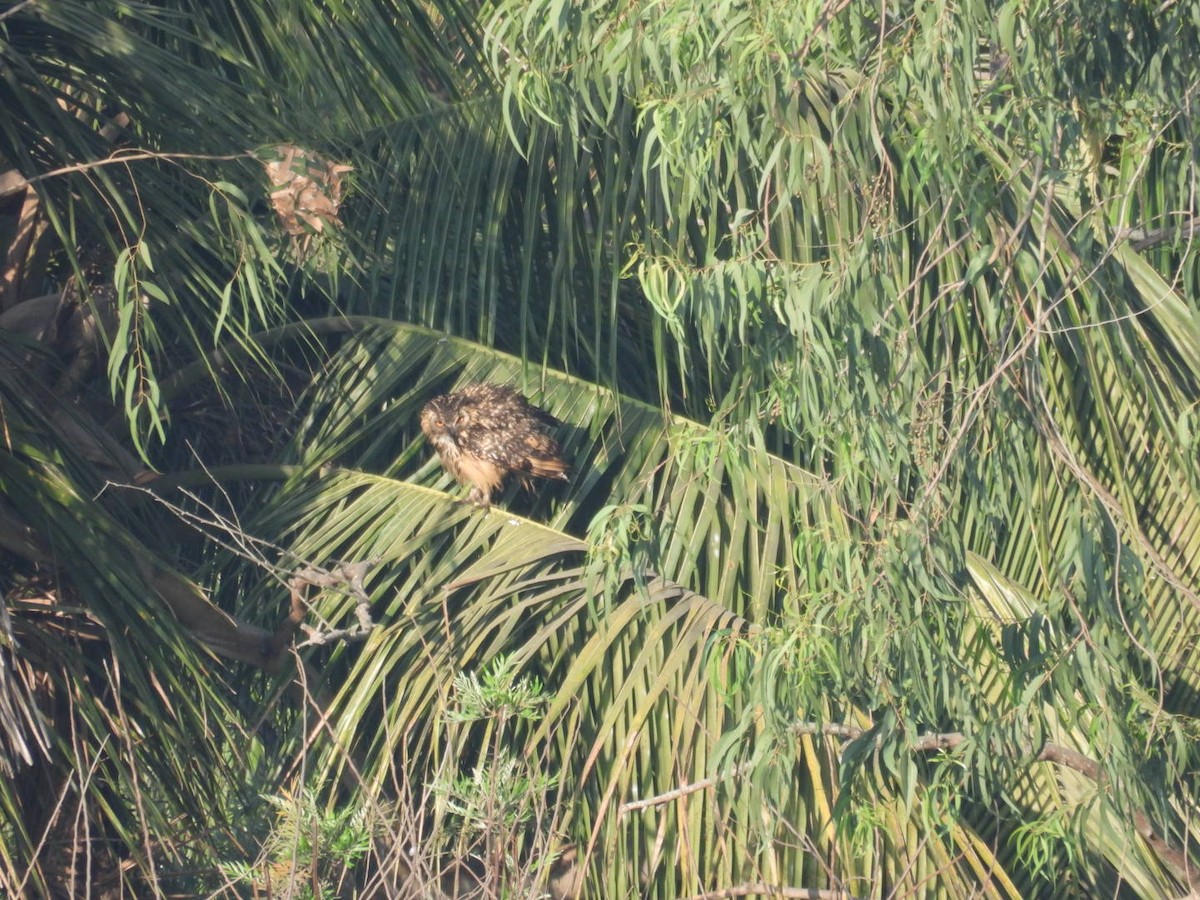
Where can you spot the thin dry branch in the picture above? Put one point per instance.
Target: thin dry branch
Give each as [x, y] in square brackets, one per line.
[1129, 525]
[1141, 239]
[347, 577]
[13, 10]
[208, 623]
[1061, 755]
[121, 157]
[1174, 857]
[227, 532]
[695, 786]
[767, 890]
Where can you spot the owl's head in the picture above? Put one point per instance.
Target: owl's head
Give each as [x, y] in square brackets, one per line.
[437, 419]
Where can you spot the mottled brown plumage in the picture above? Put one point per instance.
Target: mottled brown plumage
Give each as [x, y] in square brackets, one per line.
[485, 431]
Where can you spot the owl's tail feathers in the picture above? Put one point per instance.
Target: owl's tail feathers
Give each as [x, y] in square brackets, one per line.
[549, 467]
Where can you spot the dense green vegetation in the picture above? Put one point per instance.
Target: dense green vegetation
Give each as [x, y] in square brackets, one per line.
[875, 330]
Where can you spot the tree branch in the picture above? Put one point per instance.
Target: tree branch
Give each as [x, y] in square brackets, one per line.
[121, 157]
[695, 786]
[1061, 755]
[347, 577]
[1174, 857]
[208, 623]
[767, 890]
[13, 10]
[1141, 239]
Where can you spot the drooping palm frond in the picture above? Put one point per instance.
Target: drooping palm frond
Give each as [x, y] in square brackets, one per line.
[881, 229]
[97, 628]
[147, 184]
[688, 550]
[850, 231]
[1021, 633]
[135, 236]
[508, 244]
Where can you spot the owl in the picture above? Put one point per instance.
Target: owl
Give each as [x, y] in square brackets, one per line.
[485, 431]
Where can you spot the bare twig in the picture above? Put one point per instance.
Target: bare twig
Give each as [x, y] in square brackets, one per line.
[16, 8]
[1141, 239]
[702, 784]
[226, 531]
[121, 157]
[828, 11]
[1055, 753]
[68, 789]
[1059, 754]
[770, 890]
[1131, 525]
[347, 577]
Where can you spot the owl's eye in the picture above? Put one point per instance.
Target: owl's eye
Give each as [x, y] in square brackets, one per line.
[439, 423]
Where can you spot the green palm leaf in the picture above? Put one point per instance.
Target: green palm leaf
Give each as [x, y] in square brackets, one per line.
[625, 627]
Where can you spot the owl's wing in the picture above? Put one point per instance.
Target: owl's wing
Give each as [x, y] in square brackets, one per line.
[539, 454]
[517, 442]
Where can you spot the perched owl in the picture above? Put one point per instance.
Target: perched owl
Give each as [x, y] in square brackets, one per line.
[485, 431]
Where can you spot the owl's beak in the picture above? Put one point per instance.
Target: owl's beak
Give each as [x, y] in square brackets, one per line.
[445, 433]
